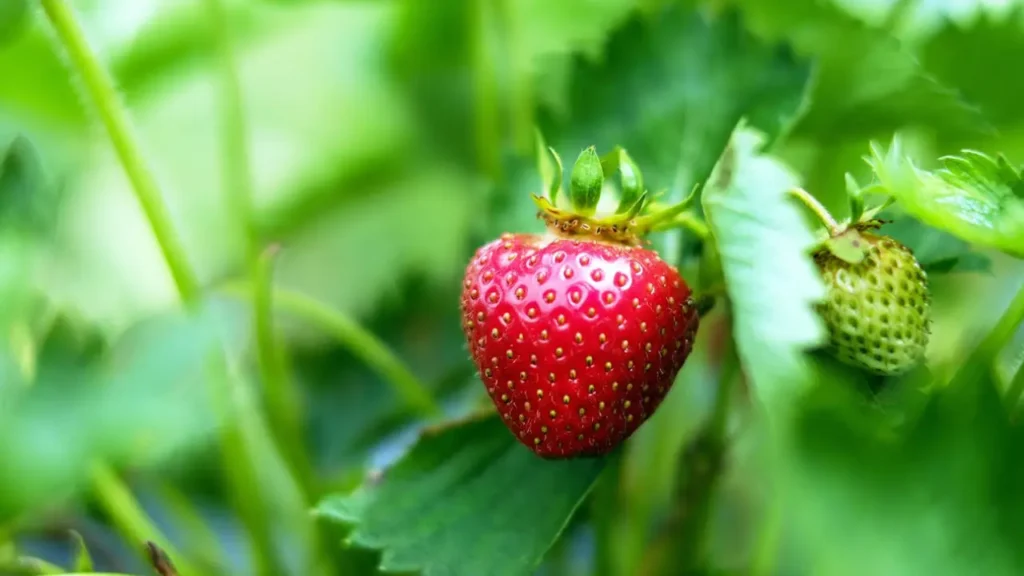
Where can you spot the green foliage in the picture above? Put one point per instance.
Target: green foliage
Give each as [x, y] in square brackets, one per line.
[141, 405]
[26, 200]
[990, 44]
[868, 499]
[975, 197]
[670, 88]
[764, 244]
[867, 83]
[386, 141]
[425, 511]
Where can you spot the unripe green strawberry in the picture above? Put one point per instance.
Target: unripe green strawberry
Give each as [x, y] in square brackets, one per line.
[876, 310]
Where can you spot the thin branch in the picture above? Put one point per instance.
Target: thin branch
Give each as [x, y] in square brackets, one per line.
[819, 210]
[99, 88]
[362, 343]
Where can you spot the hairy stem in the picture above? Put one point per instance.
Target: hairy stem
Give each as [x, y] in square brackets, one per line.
[112, 493]
[819, 210]
[99, 88]
[359, 341]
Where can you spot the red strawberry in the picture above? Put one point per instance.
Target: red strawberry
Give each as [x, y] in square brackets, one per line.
[577, 340]
[578, 335]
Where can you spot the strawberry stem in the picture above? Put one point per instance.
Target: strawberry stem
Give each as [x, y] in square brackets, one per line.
[819, 210]
[359, 341]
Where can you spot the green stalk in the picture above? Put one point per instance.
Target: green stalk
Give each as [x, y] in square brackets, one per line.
[99, 88]
[198, 536]
[359, 341]
[819, 210]
[1004, 329]
[112, 493]
[282, 404]
[984, 354]
[606, 503]
[681, 547]
[131, 521]
[284, 414]
[484, 87]
[1013, 393]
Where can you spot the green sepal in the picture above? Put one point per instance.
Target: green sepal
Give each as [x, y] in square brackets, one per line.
[850, 246]
[631, 178]
[551, 172]
[586, 182]
[659, 215]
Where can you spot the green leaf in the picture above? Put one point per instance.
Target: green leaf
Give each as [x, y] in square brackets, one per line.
[143, 402]
[974, 197]
[466, 499]
[671, 87]
[764, 243]
[27, 203]
[867, 83]
[936, 495]
[991, 45]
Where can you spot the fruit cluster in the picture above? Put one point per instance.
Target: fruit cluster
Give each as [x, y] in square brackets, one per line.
[578, 334]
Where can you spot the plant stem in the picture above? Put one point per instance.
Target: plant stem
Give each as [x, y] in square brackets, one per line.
[359, 341]
[284, 411]
[283, 408]
[198, 536]
[131, 521]
[990, 346]
[100, 90]
[1005, 327]
[485, 90]
[1013, 393]
[681, 547]
[115, 497]
[766, 553]
[819, 210]
[606, 503]
[284, 415]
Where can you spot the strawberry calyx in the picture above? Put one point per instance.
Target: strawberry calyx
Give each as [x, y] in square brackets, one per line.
[581, 214]
[843, 238]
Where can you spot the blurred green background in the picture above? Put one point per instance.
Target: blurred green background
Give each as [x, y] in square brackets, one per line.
[387, 140]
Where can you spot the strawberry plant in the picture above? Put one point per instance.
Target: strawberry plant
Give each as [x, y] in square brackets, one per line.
[306, 288]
